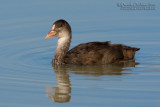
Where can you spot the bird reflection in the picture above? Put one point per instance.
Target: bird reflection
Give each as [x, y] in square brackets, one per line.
[101, 70]
[61, 93]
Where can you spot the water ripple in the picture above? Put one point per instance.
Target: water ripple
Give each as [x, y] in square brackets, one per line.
[26, 58]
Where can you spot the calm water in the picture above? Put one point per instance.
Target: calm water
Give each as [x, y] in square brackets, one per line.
[27, 78]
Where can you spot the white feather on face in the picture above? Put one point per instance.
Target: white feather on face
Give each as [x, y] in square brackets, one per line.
[53, 27]
[62, 32]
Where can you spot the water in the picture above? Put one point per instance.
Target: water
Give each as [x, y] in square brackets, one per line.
[28, 79]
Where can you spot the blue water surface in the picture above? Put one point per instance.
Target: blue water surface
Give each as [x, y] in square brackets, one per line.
[27, 78]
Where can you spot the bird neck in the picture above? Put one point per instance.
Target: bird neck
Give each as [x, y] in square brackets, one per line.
[61, 50]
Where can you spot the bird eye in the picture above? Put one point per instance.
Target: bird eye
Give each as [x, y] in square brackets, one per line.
[61, 25]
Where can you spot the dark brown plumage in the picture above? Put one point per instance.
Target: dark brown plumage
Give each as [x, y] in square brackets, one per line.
[86, 53]
[99, 53]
